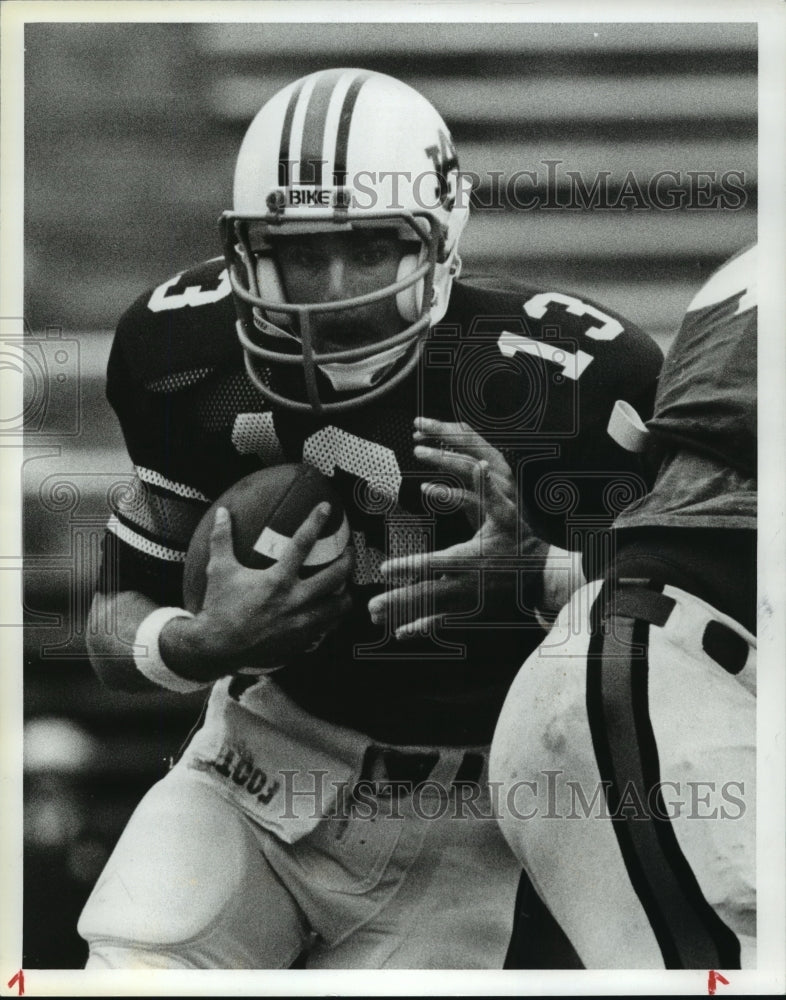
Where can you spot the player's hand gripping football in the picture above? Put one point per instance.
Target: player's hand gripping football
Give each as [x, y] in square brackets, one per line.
[254, 619]
[447, 581]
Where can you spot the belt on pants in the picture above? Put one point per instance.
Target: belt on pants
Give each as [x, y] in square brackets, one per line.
[389, 771]
[645, 601]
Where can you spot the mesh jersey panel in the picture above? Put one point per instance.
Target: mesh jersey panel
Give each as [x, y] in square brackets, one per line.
[177, 380]
[220, 401]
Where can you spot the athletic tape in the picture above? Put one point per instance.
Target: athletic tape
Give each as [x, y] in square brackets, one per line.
[271, 544]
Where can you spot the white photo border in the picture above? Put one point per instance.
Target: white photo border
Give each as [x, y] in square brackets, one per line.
[770, 15]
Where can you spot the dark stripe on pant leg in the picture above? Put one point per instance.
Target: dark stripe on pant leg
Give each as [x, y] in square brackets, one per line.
[703, 939]
[344, 124]
[284, 155]
[688, 931]
[312, 153]
[603, 734]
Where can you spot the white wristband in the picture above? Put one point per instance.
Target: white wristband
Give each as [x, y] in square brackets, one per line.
[148, 656]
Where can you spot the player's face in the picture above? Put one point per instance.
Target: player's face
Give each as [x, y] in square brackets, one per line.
[329, 267]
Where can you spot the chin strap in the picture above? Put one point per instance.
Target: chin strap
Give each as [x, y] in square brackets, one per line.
[352, 375]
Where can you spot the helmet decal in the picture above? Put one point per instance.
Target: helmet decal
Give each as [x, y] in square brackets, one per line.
[443, 156]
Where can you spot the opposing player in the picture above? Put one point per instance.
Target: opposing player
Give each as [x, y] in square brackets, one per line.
[338, 807]
[631, 730]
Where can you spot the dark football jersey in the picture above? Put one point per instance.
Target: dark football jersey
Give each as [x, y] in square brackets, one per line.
[704, 421]
[706, 397]
[536, 373]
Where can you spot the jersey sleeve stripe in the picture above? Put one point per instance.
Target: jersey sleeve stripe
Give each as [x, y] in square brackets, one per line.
[143, 544]
[178, 380]
[689, 932]
[154, 478]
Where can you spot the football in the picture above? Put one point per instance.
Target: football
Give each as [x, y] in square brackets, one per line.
[266, 508]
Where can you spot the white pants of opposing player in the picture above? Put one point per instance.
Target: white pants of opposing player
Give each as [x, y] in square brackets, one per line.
[627, 752]
[227, 862]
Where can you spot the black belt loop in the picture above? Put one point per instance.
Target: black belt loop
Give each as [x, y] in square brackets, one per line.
[394, 772]
[470, 769]
[637, 599]
[725, 646]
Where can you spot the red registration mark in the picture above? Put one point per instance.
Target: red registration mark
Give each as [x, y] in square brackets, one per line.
[18, 978]
[713, 978]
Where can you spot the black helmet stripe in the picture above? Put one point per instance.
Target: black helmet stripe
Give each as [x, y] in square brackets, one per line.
[284, 158]
[313, 155]
[344, 123]
[311, 150]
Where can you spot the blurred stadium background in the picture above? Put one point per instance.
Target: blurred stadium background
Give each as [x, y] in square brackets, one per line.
[130, 136]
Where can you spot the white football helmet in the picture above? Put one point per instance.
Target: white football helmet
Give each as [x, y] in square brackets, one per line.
[337, 151]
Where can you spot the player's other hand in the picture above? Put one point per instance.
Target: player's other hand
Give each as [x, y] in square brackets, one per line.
[255, 620]
[454, 580]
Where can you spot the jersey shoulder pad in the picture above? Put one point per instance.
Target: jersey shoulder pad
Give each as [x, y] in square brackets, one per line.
[184, 325]
[485, 295]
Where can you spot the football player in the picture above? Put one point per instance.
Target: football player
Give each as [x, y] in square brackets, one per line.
[634, 723]
[337, 806]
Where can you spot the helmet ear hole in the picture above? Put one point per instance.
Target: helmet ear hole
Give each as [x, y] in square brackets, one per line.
[410, 301]
[271, 289]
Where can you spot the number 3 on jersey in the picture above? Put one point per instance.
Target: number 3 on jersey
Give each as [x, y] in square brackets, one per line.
[609, 328]
[192, 295]
[571, 365]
